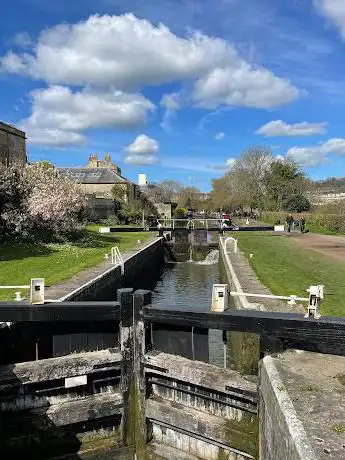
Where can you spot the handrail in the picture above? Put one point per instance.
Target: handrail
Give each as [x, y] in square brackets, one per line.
[117, 259]
[230, 238]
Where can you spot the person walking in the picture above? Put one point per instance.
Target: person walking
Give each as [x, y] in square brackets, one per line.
[302, 224]
[289, 222]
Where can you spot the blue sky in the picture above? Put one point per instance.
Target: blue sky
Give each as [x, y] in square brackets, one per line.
[176, 88]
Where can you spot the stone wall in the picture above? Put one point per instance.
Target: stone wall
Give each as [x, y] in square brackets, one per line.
[104, 287]
[282, 436]
[12, 145]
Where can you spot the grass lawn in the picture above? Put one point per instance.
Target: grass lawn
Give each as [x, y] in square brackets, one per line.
[286, 269]
[57, 262]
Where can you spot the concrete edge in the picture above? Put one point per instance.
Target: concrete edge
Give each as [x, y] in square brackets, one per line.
[295, 426]
[242, 300]
[66, 297]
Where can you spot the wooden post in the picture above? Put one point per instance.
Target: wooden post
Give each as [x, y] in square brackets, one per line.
[125, 297]
[132, 343]
[141, 298]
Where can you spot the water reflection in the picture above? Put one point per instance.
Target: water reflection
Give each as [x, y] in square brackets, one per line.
[188, 285]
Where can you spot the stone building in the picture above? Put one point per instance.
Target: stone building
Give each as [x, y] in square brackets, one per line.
[12, 145]
[99, 177]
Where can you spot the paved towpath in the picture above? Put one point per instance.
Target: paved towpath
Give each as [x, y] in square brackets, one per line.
[328, 245]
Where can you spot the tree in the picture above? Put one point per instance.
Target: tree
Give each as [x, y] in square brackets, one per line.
[55, 203]
[118, 195]
[189, 197]
[248, 174]
[283, 181]
[297, 203]
[170, 190]
[13, 195]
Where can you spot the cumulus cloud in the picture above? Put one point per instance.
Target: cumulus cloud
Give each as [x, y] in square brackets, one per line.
[242, 85]
[334, 10]
[280, 128]
[142, 151]
[318, 154]
[59, 114]
[130, 53]
[219, 136]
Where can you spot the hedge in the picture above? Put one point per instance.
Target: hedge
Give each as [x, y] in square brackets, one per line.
[331, 223]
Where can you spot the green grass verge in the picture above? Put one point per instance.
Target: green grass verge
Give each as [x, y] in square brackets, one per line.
[285, 268]
[57, 262]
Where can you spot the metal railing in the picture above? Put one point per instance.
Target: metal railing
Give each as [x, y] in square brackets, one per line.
[235, 241]
[117, 259]
[316, 295]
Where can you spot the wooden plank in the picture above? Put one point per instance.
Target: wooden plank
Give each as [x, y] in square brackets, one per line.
[293, 330]
[200, 374]
[85, 409]
[57, 368]
[63, 311]
[232, 434]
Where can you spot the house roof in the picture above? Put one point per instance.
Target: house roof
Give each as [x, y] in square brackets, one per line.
[93, 175]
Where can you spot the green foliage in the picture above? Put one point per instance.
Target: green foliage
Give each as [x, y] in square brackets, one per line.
[297, 203]
[284, 182]
[180, 213]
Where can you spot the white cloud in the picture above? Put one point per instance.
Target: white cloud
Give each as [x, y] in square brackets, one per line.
[334, 10]
[58, 114]
[142, 151]
[51, 137]
[318, 154]
[128, 53]
[219, 136]
[280, 158]
[171, 102]
[242, 85]
[22, 39]
[280, 128]
[230, 163]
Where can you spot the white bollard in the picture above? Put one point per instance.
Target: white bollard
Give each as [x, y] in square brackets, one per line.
[247, 222]
[106, 256]
[18, 297]
[251, 256]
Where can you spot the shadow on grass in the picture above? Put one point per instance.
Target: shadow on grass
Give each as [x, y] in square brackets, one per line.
[19, 249]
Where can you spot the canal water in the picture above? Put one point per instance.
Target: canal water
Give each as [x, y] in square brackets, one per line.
[188, 285]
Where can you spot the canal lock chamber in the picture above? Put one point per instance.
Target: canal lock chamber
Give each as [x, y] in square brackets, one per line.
[181, 274]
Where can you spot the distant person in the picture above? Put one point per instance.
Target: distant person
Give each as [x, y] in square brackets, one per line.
[224, 226]
[289, 222]
[160, 229]
[302, 224]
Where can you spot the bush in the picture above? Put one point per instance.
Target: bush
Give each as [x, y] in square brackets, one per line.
[180, 213]
[329, 223]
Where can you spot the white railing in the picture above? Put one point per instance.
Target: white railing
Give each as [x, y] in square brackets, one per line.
[316, 295]
[116, 258]
[235, 241]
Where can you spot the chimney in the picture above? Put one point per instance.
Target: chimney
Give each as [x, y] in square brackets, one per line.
[142, 179]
